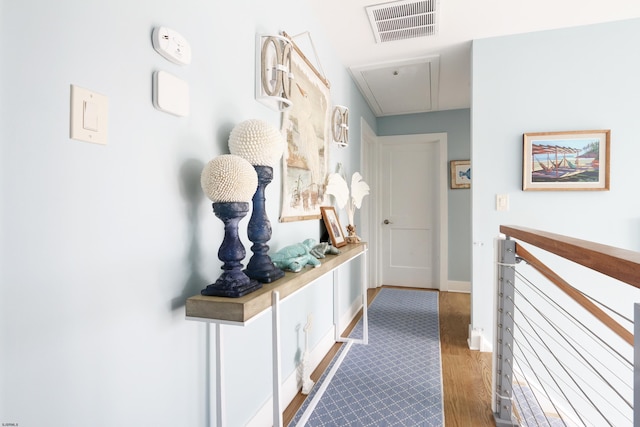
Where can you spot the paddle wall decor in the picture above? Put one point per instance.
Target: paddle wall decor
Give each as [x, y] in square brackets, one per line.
[340, 125]
[274, 78]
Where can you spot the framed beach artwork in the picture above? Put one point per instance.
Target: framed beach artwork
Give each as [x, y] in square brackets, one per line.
[460, 173]
[334, 228]
[572, 160]
[306, 126]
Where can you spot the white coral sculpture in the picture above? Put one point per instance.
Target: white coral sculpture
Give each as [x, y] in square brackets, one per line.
[229, 178]
[337, 186]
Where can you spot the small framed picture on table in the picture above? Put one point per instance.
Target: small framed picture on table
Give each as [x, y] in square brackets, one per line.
[334, 228]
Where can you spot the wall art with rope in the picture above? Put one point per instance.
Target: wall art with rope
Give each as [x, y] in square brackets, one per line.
[306, 126]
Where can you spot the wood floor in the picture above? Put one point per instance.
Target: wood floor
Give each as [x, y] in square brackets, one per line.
[466, 374]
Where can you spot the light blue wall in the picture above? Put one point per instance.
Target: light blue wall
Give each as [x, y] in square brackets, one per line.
[456, 123]
[101, 245]
[569, 79]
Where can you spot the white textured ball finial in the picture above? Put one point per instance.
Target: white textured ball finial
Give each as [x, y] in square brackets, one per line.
[257, 141]
[229, 178]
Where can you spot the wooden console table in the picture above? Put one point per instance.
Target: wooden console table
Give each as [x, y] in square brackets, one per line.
[243, 310]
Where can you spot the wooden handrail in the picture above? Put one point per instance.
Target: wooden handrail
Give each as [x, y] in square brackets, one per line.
[575, 294]
[621, 264]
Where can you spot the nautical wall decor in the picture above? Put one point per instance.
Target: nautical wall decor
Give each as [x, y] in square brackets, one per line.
[306, 126]
[460, 173]
[570, 160]
[274, 78]
[340, 125]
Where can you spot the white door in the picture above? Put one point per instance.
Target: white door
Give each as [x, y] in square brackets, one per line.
[410, 213]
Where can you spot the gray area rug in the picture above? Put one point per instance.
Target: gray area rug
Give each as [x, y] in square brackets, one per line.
[395, 380]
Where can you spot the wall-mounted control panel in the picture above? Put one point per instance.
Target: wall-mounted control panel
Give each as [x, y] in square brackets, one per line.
[170, 94]
[171, 45]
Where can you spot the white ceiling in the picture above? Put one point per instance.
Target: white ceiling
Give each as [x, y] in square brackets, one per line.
[459, 21]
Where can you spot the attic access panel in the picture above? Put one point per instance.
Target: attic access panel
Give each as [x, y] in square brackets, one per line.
[403, 87]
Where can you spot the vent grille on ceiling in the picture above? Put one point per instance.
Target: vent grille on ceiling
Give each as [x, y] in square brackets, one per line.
[403, 20]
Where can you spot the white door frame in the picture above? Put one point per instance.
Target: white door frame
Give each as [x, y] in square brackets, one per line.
[369, 150]
[372, 216]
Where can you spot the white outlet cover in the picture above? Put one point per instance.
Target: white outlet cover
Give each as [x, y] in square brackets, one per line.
[89, 116]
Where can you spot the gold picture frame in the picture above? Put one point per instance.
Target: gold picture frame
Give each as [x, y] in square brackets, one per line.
[566, 161]
[332, 223]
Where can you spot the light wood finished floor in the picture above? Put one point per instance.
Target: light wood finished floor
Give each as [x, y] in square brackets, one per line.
[466, 374]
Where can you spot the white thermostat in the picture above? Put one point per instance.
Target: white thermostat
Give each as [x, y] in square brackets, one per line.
[170, 94]
[171, 45]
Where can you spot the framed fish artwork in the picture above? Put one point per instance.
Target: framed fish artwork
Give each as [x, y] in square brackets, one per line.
[460, 173]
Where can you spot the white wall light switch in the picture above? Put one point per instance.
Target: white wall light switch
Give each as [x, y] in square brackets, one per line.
[88, 118]
[502, 202]
[170, 94]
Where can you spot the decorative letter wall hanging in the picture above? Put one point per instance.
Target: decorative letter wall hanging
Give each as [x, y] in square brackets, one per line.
[340, 125]
[274, 78]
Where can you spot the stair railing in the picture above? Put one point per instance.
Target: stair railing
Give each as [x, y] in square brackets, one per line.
[562, 355]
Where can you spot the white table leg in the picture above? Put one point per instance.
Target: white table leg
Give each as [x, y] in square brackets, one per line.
[336, 305]
[275, 333]
[365, 318]
[220, 415]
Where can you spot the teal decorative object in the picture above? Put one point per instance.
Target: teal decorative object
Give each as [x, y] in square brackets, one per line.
[295, 257]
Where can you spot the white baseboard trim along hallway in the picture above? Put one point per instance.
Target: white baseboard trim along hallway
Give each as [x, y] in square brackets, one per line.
[457, 286]
[292, 384]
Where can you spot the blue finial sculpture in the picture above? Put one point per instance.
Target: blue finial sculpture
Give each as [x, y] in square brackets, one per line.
[260, 266]
[261, 145]
[229, 181]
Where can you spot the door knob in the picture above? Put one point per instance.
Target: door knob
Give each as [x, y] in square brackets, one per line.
[387, 222]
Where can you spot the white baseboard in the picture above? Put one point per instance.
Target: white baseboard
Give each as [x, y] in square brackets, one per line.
[456, 286]
[292, 384]
[486, 346]
[477, 340]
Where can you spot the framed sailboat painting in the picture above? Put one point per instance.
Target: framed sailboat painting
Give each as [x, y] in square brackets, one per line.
[571, 160]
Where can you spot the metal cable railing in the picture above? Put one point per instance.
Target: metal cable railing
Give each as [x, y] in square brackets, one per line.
[537, 331]
[561, 357]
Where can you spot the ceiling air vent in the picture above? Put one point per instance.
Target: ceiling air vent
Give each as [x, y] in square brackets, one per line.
[403, 20]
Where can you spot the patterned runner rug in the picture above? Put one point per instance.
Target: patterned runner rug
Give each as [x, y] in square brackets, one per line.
[395, 380]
